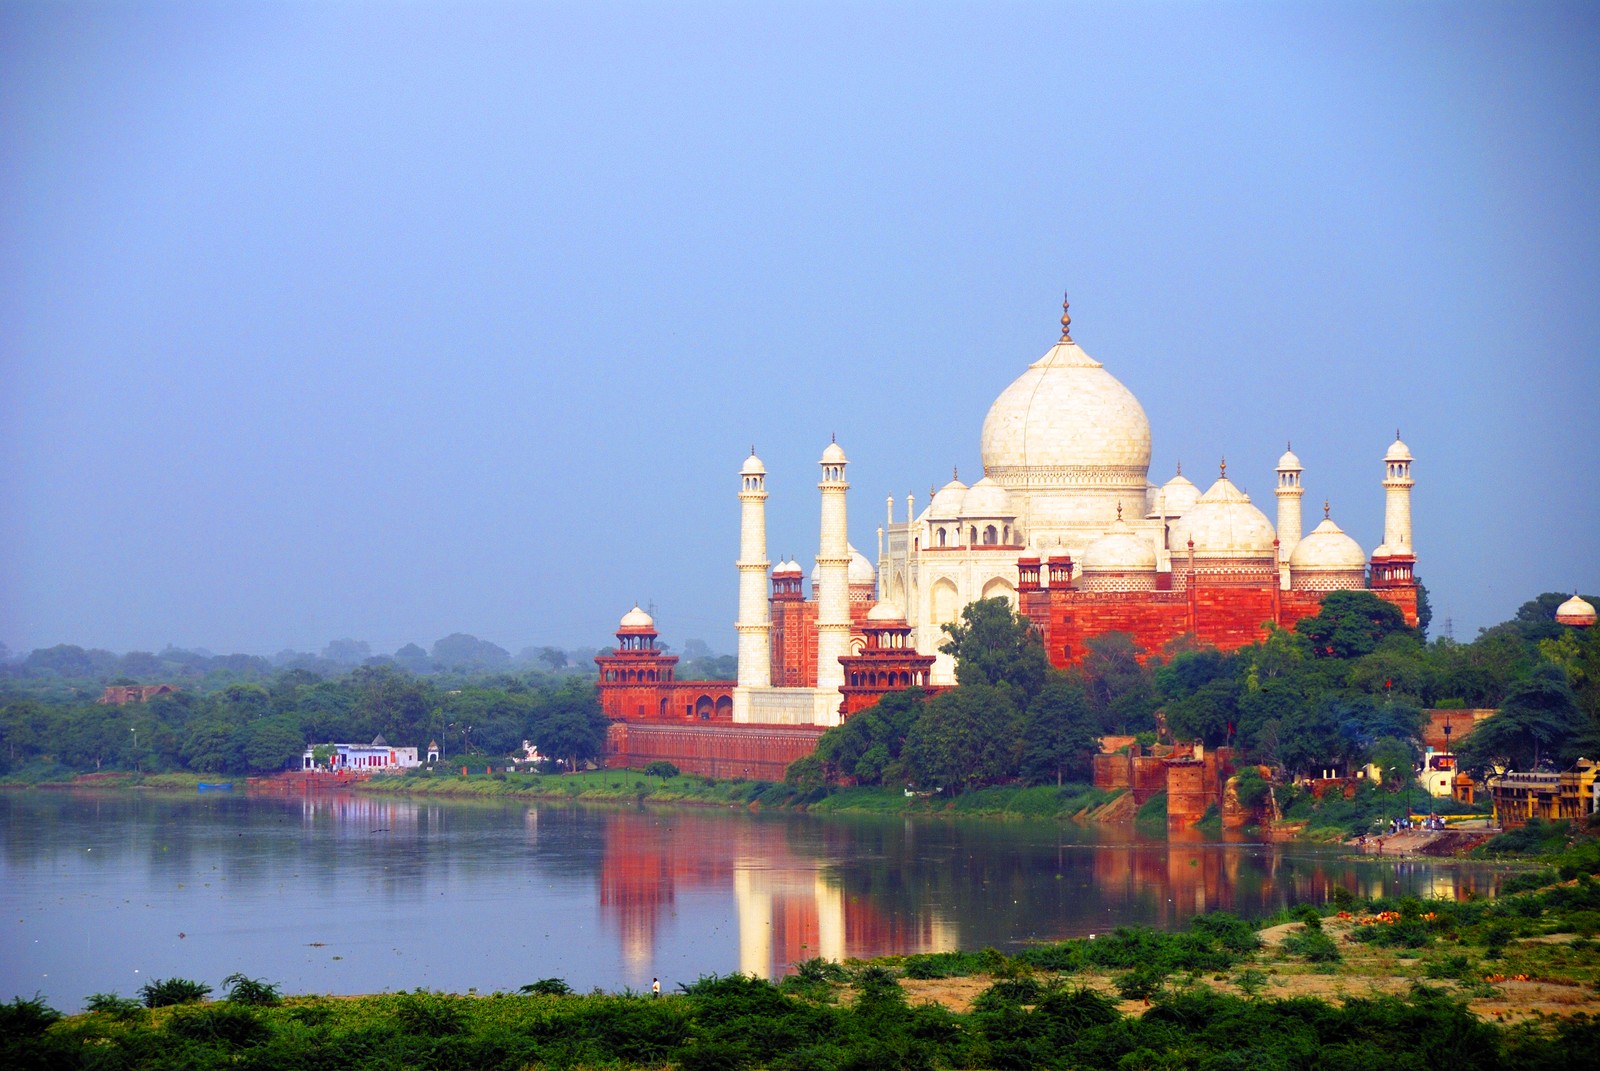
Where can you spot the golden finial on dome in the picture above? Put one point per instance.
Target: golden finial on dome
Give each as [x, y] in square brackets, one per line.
[1180, 468]
[1324, 509]
[1066, 321]
[1396, 434]
[955, 474]
[1224, 468]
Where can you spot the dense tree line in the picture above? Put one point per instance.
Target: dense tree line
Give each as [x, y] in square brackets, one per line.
[1344, 688]
[261, 721]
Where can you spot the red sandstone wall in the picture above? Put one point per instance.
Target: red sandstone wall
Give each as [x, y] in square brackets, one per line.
[1149, 777]
[1460, 722]
[755, 752]
[1186, 793]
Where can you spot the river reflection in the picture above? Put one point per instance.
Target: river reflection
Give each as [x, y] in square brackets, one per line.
[352, 893]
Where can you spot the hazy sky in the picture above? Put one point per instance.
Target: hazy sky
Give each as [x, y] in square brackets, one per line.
[394, 320]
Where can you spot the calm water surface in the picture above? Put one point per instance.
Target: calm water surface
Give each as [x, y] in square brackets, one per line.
[354, 894]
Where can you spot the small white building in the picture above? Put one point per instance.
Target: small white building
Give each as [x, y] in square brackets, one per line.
[358, 758]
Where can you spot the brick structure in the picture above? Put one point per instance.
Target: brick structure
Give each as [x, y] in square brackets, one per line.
[123, 694]
[750, 752]
[887, 663]
[638, 682]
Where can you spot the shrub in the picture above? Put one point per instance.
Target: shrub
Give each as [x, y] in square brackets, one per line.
[26, 1018]
[111, 1004]
[165, 992]
[430, 1014]
[547, 987]
[661, 768]
[1312, 944]
[242, 990]
[219, 1024]
[1141, 983]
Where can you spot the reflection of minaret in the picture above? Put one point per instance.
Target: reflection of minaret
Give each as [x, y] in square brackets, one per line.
[754, 626]
[754, 904]
[833, 576]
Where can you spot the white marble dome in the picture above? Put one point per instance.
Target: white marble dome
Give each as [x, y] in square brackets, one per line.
[1327, 547]
[1120, 550]
[947, 502]
[1576, 611]
[753, 466]
[885, 612]
[987, 499]
[1177, 497]
[861, 570]
[1062, 419]
[1288, 462]
[637, 618]
[1224, 524]
[834, 455]
[1398, 451]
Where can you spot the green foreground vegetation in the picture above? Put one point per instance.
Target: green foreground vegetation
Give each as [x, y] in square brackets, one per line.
[1215, 996]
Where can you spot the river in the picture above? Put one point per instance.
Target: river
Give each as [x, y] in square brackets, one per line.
[353, 894]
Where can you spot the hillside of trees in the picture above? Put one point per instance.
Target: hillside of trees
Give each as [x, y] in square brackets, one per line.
[1346, 687]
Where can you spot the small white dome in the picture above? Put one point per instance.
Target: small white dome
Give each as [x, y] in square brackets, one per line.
[1120, 550]
[1398, 451]
[861, 570]
[1327, 547]
[753, 466]
[786, 567]
[1224, 524]
[885, 612]
[987, 499]
[1177, 497]
[947, 502]
[1381, 551]
[637, 618]
[1288, 462]
[834, 455]
[1575, 611]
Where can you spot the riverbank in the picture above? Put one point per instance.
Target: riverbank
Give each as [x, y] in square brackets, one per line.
[631, 786]
[1494, 983]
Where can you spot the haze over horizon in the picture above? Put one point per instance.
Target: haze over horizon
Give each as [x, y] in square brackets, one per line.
[395, 321]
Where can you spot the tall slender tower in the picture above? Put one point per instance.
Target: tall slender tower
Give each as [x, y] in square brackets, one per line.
[1289, 493]
[1397, 484]
[754, 625]
[833, 576]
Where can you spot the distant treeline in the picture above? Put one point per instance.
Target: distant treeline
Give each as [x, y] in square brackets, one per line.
[258, 721]
[72, 669]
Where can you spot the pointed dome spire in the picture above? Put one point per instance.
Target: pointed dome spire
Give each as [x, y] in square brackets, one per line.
[1066, 320]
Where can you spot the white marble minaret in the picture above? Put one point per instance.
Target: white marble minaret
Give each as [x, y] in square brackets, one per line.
[755, 624]
[833, 577]
[1397, 484]
[1289, 492]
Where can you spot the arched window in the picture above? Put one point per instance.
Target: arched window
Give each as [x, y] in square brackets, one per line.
[990, 536]
[941, 537]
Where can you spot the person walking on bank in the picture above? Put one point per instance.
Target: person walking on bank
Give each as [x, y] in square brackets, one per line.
[655, 987]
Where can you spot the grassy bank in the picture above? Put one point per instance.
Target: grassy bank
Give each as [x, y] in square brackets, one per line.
[1402, 983]
[618, 786]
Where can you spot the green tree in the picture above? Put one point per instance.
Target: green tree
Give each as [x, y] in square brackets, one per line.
[967, 737]
[1351, 624]
[995, 646]
[1538, 721]
[270, 743]
[880, 731]
[1060, 732]
[1121, 687]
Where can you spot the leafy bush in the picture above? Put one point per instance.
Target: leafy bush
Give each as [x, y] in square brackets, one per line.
[241, 990]
[1312, 944]
[26, 1018]
[110, 1004]
[941, 965]
[220, 1024]
[661, 768]
[547, 987]
[1141, 983]
[165, 992]
[430, 1014]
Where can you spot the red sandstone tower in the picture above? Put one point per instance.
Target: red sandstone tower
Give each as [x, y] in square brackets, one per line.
[888, 662]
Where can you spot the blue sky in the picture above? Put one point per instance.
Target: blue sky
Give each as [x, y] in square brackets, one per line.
[394, 320]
